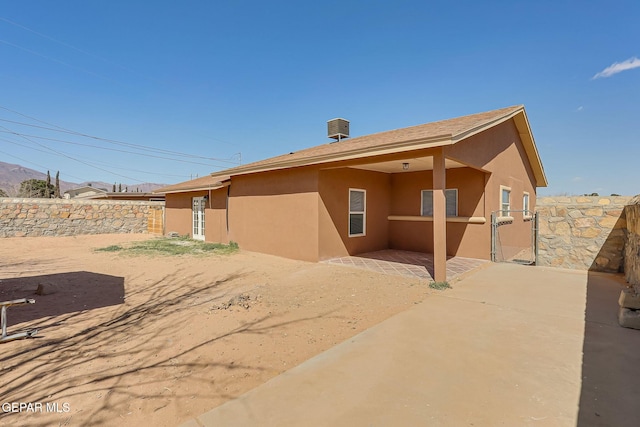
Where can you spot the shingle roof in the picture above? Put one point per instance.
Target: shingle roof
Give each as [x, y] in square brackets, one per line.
[433, 134]
[445, 131]
[204, 183]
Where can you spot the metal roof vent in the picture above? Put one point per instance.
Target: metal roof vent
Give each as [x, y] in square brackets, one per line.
[338, 129]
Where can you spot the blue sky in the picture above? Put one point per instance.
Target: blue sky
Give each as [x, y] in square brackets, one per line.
[216, 78]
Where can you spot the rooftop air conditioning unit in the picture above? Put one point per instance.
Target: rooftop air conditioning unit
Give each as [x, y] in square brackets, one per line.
[338, 129]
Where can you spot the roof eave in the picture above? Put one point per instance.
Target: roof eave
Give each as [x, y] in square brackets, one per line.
[526, 136]
[521, 121]
[365, 152]
[486, 125]
[192, 189]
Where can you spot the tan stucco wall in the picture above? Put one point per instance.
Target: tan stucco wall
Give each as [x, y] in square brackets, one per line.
[276, 213]
[334, 185]
[215, 229]
[179, 214]
[499, 150]
[468, 240]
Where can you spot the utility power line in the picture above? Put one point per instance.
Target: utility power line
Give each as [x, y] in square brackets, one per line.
[28, 136]
[33, 52]
[111, 141]
[76, 160]
[39, 165]
[93, 142]
[92, 164]
[70, 46]
[95, 162]
[141, 150]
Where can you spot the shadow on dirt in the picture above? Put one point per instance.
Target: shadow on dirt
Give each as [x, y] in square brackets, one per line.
[134, 341]
[60, 294]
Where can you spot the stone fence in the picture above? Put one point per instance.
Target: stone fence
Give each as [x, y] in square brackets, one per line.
[632, 246]
[586, 233]
[57, 217]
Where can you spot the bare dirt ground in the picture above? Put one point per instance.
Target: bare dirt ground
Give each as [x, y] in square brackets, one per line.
[142, 340]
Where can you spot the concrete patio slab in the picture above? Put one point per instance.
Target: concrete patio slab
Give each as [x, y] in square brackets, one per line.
[504, 347]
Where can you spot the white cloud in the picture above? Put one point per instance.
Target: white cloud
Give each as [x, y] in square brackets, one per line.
[618, 67]
[580, 108]
[576, 179]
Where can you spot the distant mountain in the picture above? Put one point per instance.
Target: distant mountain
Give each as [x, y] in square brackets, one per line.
[11, 176]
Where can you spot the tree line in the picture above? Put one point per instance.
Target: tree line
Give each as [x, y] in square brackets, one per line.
[44, 189]
[38, 188]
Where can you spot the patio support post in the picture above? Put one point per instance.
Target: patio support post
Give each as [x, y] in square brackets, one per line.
[439, 219]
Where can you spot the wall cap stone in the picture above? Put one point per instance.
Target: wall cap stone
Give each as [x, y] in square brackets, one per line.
[582, 201]
[87, 202]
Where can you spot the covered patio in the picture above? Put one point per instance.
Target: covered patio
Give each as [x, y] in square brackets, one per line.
[408, 264]
[402, 219]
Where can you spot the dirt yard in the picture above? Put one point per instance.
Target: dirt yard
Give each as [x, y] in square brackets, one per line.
[156, 340]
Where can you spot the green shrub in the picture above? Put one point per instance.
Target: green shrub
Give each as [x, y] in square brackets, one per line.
[173, 246]
[440, 285]
[112, 248]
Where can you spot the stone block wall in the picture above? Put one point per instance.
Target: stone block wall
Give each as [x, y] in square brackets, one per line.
[632, 246]
[586, 233]
[58, 217]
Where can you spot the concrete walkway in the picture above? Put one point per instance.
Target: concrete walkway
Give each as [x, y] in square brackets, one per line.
[504, 347]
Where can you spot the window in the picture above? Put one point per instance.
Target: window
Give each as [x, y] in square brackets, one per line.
[357, 212]
[451, 202]
[525, 206]
[505, 201]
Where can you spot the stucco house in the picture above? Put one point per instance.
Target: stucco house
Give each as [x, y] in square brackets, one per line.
[427, 188]
[83, 192]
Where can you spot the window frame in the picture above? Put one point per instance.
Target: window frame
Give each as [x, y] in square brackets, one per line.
[363, 213]
[422, 213]
[526, 208]
[502, 204]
